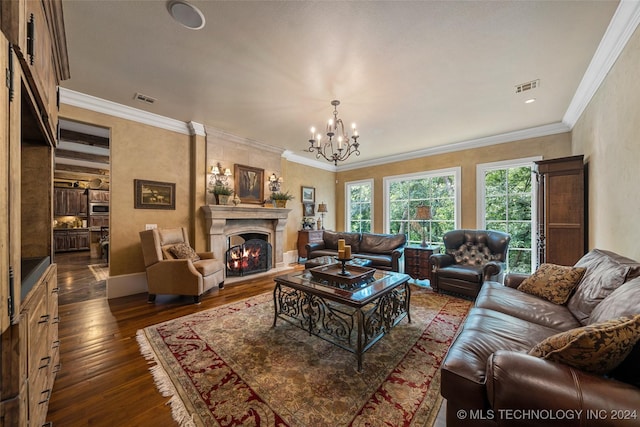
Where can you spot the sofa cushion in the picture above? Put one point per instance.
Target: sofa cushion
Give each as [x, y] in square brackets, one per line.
[377, 260]
[555, 283]
[606, 271]
[184, 251]
[381, 243]
[597, 348]
[331, 240]
[467, 273]
[207, 267]
[495, 296]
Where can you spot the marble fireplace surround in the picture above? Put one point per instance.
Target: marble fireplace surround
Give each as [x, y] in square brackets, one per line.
[225, 221]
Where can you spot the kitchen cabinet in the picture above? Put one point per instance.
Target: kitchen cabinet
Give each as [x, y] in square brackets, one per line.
[70, 202]
[305, 237]
[66, 240]
[561, 210]
[98, 196]
[98, 221]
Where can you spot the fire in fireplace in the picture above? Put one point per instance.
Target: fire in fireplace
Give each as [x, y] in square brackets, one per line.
[251, 256]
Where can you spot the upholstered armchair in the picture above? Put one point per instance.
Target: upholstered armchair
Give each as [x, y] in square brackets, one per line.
[173, 267]
[470, 258]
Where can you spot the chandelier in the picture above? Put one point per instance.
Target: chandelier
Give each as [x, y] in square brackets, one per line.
[342, 147]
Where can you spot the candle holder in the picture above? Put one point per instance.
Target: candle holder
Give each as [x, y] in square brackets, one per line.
[344, 272]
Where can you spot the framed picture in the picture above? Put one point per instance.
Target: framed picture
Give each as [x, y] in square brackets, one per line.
[154, 194]
[309, 209]
[308, 194]
[249, 184]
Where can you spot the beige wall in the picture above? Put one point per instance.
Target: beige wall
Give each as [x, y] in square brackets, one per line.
[548, 146]
[140, 151]
[608, 134]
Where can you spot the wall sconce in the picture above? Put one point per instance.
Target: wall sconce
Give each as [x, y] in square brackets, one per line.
[274, 183]
[219, 176]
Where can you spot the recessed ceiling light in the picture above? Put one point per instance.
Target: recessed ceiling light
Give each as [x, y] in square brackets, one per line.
[186, 14]
[530, 101]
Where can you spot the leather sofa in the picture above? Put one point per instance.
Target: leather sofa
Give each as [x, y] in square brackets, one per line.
[489, 379]
[470, 258]
[385, 251]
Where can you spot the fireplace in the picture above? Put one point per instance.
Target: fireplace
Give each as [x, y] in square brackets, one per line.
[252, 255]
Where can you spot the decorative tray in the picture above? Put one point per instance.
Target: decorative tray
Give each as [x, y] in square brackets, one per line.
[333, 273]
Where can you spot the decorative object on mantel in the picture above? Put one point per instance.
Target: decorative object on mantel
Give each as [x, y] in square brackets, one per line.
[343, 147]
[322, 209]
[249, 184]
[423, 213]
[236, 200]
[280, 199]
[219, 176]
[275, 183]
[221, 194]
[154, 194]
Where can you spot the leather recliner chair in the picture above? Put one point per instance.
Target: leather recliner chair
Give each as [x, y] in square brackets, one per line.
[168, 274]
[470, 258]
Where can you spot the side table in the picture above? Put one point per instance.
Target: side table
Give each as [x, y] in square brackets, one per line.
[416, 261]
[305, 237]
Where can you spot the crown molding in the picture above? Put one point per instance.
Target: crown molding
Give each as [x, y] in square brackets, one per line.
[213, 132]
[100, 105]
[622, 26]
[518, 135]
[296, 158]
[196, 128]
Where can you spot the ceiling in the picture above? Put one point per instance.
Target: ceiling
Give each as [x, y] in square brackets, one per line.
[412, 74]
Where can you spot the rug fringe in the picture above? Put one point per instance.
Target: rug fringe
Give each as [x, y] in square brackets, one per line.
[164, 384]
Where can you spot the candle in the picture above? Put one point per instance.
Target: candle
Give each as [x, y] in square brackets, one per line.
[341, 244]
[347, 252]
[340, 253]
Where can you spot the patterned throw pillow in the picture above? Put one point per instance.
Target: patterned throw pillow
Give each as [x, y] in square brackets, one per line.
[184, 251]
[597, 348]
[552, 282]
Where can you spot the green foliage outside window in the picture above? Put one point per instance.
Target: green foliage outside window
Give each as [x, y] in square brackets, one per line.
[359, 207]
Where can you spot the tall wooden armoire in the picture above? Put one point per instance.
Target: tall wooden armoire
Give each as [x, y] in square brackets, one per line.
[561, 210]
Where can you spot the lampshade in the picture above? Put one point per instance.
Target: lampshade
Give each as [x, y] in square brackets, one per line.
[423, 213]
[322, 208]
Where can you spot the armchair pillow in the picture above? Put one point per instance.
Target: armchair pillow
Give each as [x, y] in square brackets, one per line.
[555, 283]
[184, 251]
[597, 348]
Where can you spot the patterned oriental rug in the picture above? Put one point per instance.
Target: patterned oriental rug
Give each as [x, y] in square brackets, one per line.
[228, 366]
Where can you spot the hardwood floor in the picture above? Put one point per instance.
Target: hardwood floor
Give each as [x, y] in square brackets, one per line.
[104, 381]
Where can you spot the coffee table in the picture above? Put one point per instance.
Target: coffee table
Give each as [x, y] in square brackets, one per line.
[328, 259]
[353, 317]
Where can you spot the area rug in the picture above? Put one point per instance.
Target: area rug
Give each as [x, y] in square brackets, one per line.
[228, 366]
[99, 271]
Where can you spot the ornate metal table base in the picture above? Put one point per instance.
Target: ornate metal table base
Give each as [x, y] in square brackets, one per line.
[353, 327]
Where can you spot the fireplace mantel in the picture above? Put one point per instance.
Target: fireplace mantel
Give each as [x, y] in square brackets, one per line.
[223, 221]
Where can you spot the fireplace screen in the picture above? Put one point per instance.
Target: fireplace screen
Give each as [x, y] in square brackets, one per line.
[252, 256]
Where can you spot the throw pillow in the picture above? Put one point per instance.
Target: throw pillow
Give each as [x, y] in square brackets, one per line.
[552, 282]
[597, 348]
[184, 251]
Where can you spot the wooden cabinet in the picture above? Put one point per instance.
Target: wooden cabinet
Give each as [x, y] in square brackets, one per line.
[6, 56]
[561, 210]
[98, 196]
[31, 365]
[71, 240]
[70, 202]
[416, 261]
[307, 236]
[98, 221]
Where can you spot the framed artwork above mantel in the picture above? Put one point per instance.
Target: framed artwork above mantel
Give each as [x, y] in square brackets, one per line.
[249, 184]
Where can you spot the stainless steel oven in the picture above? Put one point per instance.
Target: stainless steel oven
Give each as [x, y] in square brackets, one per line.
[98, 209]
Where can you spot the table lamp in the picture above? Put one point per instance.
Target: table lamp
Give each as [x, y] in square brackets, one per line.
[423, 213]
[322, 209]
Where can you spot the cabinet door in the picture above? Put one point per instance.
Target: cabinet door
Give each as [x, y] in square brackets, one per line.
[4, 189]
[61, 240]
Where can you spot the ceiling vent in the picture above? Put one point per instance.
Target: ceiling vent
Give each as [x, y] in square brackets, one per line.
[523, 87]
[144, 98]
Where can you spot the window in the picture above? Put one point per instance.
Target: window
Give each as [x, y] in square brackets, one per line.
[359, 206]
[437, 189]
[506, 202]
